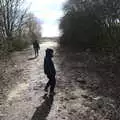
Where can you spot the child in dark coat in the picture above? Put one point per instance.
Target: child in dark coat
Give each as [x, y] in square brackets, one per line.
[50, 71]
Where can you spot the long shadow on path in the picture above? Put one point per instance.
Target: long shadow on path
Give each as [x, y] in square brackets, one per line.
[32, 58]
[42, 111]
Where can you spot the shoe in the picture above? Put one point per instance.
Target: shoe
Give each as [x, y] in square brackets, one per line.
[52, 93]
[45, 96]
[46, 90]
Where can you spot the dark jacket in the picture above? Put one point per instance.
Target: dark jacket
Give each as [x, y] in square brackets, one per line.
[49, 68]
[36, 45]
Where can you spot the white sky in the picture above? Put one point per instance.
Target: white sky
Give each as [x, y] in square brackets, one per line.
[49, 12]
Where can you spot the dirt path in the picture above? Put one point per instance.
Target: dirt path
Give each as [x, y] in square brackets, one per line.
[24, 99]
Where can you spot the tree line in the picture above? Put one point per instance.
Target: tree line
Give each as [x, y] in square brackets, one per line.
[17, 25]
[91, 24]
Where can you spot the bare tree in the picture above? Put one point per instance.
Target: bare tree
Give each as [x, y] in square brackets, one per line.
[12, 15]
[33, 26]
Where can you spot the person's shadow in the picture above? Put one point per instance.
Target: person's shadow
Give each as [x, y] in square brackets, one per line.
[42, 111]
[32, 58]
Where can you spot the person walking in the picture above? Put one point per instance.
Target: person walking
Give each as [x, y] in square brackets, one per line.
[50, 71]
[36, 47]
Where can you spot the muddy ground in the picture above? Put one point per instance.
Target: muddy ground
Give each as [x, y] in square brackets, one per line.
[80, 92]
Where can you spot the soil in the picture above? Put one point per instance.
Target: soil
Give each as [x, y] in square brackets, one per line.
[77, 96]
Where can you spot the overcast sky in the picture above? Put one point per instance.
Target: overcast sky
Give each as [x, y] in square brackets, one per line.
[49, 12]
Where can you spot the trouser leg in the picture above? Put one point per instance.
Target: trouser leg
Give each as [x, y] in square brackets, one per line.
[52, 84]
[37, 51]
[47, 85]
